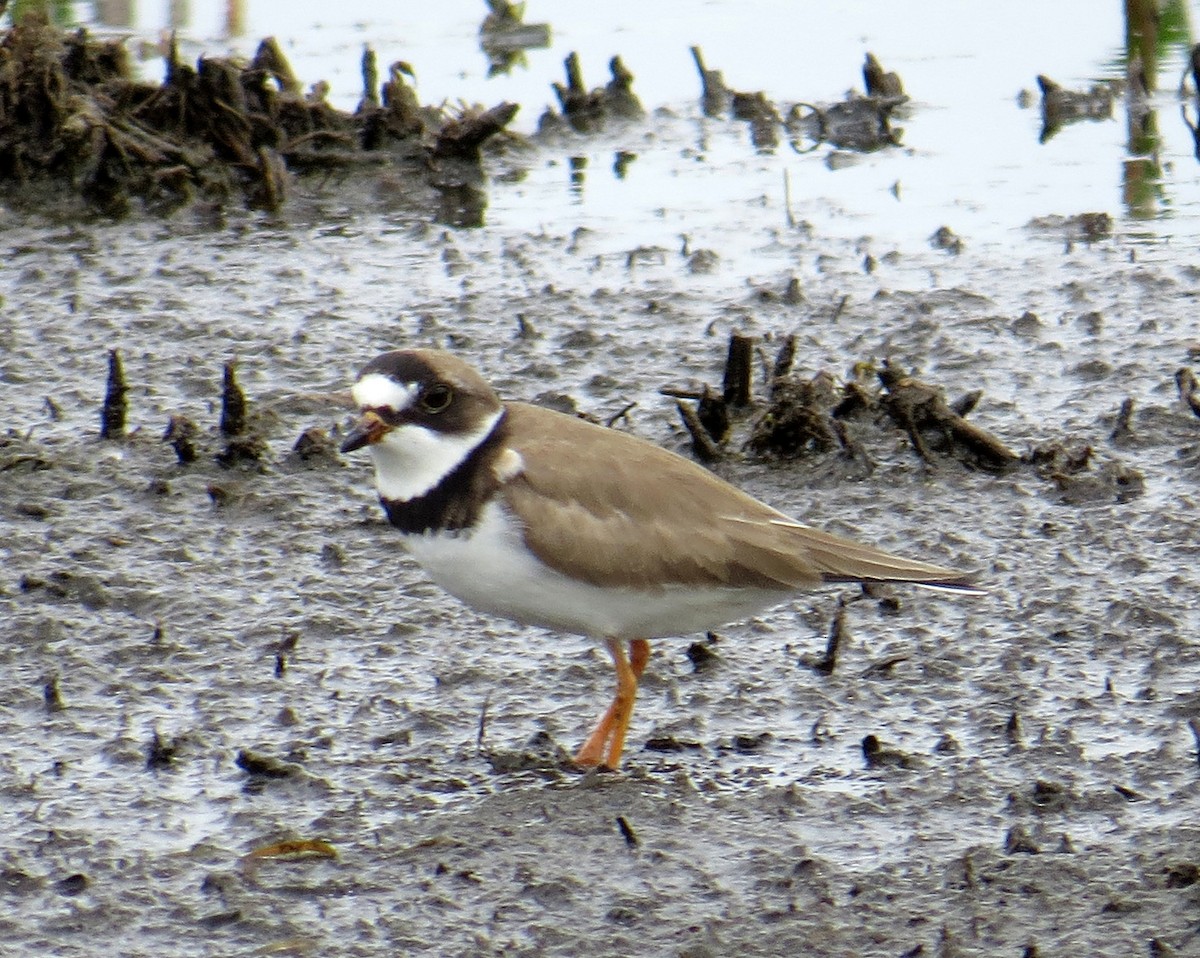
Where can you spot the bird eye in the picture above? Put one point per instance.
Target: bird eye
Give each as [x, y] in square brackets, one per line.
[436, 398]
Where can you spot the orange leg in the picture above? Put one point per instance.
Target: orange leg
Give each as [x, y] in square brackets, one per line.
[610, 730]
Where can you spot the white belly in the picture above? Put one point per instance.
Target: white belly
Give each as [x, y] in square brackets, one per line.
[490, 570]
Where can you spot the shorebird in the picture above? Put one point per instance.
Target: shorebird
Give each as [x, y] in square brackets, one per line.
[546, 519]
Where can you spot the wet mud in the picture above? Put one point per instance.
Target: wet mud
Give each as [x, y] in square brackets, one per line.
[236, 720]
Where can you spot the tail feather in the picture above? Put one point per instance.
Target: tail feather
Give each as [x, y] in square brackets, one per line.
[842, 560]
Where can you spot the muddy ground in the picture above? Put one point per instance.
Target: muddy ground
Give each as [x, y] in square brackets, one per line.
[200, 661]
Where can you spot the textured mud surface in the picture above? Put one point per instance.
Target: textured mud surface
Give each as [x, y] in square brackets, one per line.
[201, 661]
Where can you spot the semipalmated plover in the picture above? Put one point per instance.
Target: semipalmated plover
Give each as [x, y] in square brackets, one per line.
[546, 519]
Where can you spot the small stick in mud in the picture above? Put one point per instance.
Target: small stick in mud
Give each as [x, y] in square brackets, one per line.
[52, 695]
[840, 308]
[877, 756]
[627, 832]
[1185, 379]
[837, 630]
[1122, 430]
[619, 415]
[739, 366]
[1012, 730]
[272, 187]
[181, 433]
[286, 646]
[233, 403]
[702, 444]
[112, 417]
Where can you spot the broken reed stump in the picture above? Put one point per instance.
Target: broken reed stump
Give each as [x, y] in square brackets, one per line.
[112, 416]
[784, 359]
[1122, 430]
[1061, 106]
[233, 403]
[181, 433]
[837, 632]
[713, 414]
[619, 98]
[586, 111]
[739, 367]
[370, 75]
[715, 97]
[1189, 389]
[879, 82]
[462, 138]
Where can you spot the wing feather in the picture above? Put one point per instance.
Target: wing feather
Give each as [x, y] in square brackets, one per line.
[614, 510]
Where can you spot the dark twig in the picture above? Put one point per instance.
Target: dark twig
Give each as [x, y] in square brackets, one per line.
[619, 414]
[483, 720]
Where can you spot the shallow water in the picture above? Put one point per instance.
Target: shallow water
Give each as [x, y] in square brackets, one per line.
[156, 597]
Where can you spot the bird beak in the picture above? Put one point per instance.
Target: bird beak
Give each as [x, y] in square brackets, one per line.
[369, 429]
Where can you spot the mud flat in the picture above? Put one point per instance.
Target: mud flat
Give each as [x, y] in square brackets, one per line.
[236, 720]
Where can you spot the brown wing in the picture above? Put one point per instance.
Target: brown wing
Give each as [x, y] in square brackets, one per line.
[614, 510]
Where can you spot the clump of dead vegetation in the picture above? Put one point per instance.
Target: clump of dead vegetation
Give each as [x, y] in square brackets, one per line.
[825, 417]
[74, 118]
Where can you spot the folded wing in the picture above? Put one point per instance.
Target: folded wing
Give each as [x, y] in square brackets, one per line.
[627, 513]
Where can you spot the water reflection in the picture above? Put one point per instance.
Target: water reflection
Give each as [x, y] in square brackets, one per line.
[504, 37]
[964, 146]
[122, 14]
[461, 205]
[1149, 34]
[578, 168]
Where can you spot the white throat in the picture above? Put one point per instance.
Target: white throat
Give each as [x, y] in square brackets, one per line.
[411, 460]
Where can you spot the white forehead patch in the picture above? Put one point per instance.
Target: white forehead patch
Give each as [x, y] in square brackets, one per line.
[376, 391]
